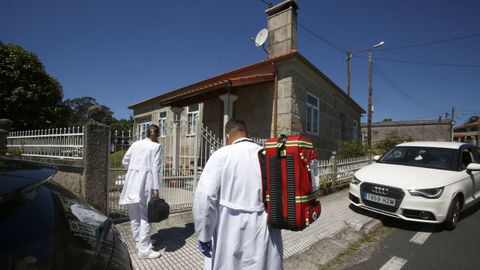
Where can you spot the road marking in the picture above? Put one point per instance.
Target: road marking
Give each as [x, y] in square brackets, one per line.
[395, 263]
[420, 237]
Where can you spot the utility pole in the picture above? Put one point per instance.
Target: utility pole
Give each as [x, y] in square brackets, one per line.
[350, 54]
[369, 123]
[349, 58]
[453, 120]
[478, 131]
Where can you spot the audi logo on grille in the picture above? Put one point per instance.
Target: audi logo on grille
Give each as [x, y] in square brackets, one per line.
[380, 190]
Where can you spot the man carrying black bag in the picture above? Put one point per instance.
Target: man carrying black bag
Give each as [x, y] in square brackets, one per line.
[144, 163]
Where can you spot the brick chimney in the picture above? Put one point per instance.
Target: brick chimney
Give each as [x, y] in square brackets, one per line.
[282, 28]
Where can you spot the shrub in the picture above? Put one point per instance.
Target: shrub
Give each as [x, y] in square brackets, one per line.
[351, 149]
[381, 147]
[116, 159]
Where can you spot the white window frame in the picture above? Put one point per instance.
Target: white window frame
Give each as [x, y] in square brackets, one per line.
[192, 120]
[313, 110]
[162, 123]
[355, 129]
[142, 126]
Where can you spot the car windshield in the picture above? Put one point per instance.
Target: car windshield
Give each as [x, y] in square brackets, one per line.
[49, 228]
[429, 157]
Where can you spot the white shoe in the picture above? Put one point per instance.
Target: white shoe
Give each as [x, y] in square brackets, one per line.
[151, 255]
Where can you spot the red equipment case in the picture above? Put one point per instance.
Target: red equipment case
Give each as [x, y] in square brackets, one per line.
[292, 182]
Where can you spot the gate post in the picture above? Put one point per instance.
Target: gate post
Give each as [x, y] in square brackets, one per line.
[333, 162]
[96, 164]
[195, 155]
[4, 127]
[176, 137]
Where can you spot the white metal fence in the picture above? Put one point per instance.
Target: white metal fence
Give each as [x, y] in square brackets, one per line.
[64, 143]
[185, 155]
[337, 172]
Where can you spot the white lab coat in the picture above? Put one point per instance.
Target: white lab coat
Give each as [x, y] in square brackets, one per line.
[228, 209]
[144, 163]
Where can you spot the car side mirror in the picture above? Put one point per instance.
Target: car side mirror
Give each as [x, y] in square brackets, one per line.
[473, 167]
[376, 157]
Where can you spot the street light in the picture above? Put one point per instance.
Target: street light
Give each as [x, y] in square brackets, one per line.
[350, 54]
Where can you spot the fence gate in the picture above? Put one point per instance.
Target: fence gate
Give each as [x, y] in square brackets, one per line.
[187, 148]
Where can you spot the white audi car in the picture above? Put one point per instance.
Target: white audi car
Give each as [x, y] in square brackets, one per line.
[428, 182]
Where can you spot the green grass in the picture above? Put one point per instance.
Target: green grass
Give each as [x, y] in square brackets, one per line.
[116, 159]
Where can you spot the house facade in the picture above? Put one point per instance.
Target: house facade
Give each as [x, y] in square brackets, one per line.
[284, 94]
[469, 132]
[418, 130]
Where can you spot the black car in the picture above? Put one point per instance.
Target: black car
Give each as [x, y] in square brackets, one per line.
[45, 226]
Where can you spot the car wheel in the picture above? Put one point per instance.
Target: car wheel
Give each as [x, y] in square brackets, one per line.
[453, 214]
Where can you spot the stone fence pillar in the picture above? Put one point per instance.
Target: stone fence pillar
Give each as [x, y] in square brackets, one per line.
[96, 164]
[333, 163]
[4, 128]
[3, 142]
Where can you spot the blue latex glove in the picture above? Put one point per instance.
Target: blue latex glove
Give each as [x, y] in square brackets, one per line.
[205, 248]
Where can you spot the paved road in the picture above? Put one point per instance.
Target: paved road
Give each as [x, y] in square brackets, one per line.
[418, 246]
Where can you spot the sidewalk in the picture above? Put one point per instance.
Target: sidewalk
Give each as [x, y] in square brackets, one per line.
[176, 235]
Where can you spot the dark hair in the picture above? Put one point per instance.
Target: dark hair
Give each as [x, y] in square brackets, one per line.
[153, 129]
[235, 125]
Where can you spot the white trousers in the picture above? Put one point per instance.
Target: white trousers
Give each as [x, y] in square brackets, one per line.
[138, 214]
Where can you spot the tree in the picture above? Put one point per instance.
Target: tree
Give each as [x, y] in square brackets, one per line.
[84, 108]
[351, 149]
[472, 119]
[122, 125]
[381, 147]
[29, 97]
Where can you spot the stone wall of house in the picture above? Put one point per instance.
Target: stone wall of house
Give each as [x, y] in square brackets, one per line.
[146, 110]
[213, 115]
[432, 130]
[337, 118]
[255, 106]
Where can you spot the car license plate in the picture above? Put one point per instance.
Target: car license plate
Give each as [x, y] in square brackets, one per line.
[379, 199]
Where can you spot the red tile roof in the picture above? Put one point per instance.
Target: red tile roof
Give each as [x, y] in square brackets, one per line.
[259, 72]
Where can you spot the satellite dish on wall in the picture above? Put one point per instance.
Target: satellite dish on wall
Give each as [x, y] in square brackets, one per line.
[261, 37]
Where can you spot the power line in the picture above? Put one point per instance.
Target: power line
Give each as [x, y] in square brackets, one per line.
[396, 87]
[423, 63]
[313, 33]
[269, 4]
[430, 43]
[424, 117]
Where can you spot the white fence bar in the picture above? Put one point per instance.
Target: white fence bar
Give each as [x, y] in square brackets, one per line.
[185, 155]
[346, 168]
[63, 143]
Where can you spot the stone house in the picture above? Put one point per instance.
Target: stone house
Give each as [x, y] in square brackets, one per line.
[284, 94]
[469, 132]
[418, 130]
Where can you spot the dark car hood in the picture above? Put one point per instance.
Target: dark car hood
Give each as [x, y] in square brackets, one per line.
[19, 176]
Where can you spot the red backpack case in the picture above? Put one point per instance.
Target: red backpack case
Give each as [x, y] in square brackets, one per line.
[291, 182]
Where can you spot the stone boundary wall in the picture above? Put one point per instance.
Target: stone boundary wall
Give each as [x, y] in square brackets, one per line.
[86, 178]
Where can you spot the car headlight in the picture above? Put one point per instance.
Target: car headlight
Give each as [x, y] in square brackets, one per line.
[430, 193]
[355, 181]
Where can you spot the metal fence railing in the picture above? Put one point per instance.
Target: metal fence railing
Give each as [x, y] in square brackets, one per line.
[338, 172]
[185, 155]
[64, 143]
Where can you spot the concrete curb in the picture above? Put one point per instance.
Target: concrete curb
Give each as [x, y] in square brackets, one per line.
[371, 226]
[323, 252]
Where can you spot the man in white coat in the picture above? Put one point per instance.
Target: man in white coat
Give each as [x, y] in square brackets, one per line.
[228, 211]
[144, 163]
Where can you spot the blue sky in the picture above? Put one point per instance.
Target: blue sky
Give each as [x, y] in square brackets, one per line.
[121, 52]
